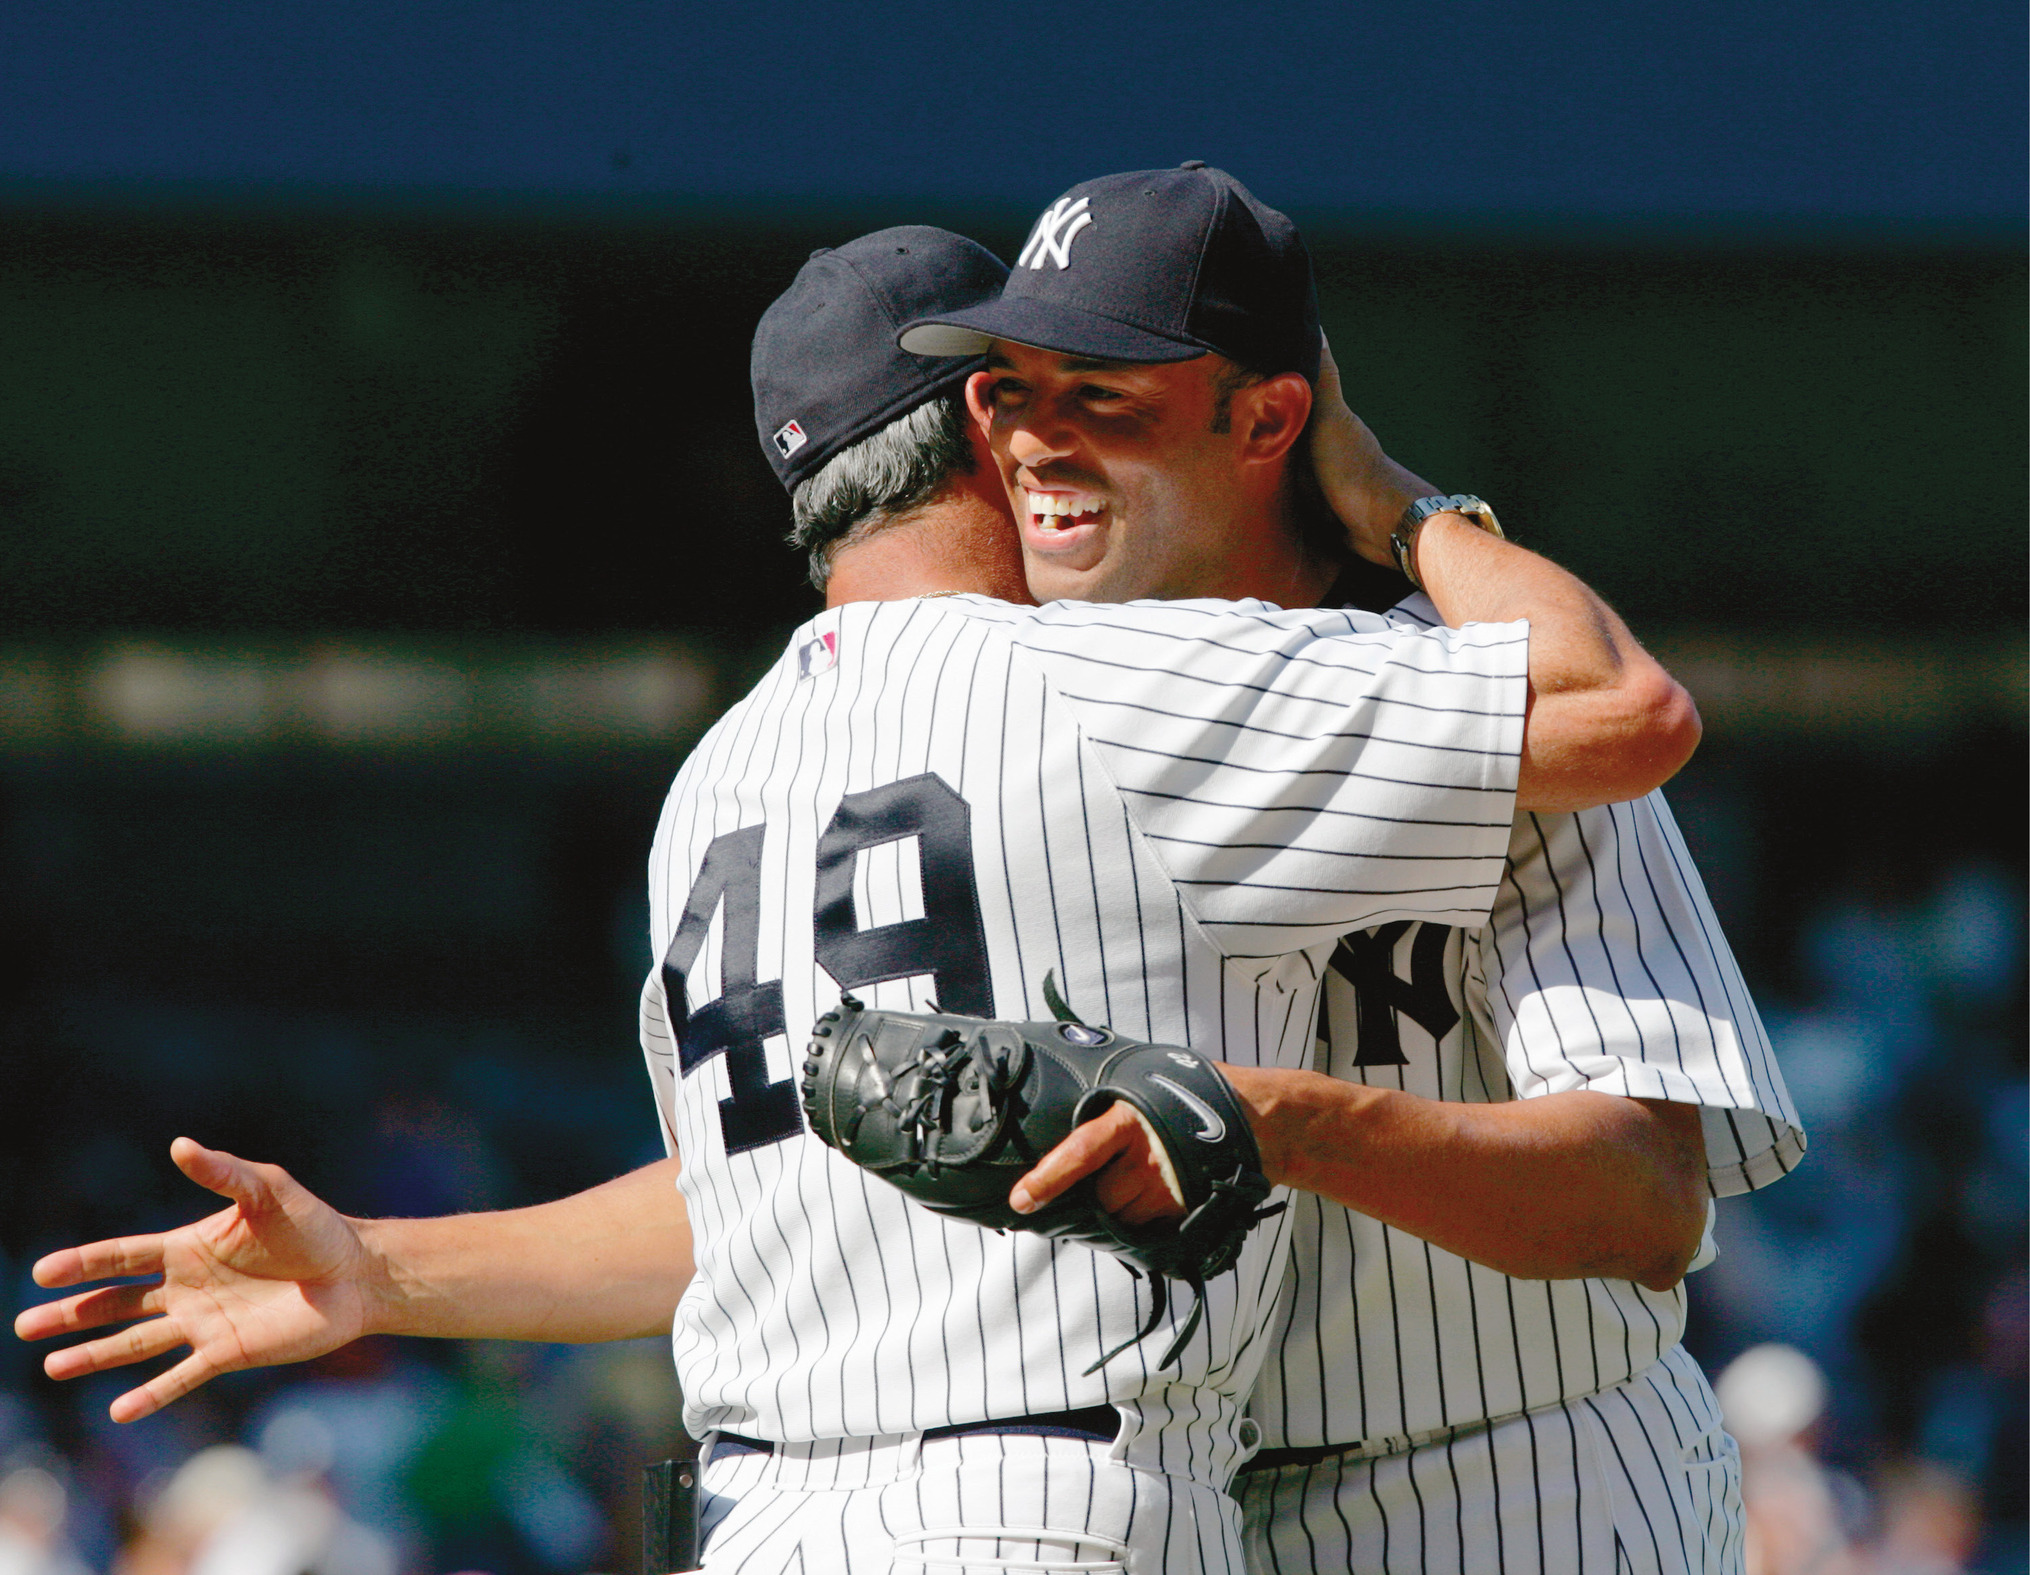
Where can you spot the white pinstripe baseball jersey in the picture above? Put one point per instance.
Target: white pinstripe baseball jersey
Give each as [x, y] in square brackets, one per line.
[1177, 807]
[1601, 967]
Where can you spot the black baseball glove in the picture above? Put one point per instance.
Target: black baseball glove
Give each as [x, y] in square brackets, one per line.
[954, 1110]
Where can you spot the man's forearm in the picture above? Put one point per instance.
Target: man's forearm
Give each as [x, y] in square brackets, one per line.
[606, 1264]
[1568, 1186]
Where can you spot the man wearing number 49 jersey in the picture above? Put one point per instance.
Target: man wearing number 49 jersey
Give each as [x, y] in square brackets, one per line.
[1176, 809]
[1475, 1365]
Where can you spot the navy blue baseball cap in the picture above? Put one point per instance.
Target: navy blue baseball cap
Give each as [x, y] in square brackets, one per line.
[826, 368]
[1152, 266]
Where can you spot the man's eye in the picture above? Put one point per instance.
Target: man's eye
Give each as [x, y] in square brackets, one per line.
[1005, 388]
[1092, 391]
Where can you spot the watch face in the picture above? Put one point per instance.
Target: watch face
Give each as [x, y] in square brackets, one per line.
[1475, 509]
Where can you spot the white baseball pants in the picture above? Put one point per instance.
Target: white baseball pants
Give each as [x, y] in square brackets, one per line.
[1640, 1478]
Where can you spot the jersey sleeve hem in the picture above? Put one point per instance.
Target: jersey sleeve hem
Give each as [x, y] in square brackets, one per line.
[1760, 1169]
[1768, 1151]
[1605, 969]
[661, 1057]
[1317, 773]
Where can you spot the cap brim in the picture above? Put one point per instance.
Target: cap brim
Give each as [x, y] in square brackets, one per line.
[1046, 325]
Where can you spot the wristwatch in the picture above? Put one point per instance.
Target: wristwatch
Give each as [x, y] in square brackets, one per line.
[1404, 535]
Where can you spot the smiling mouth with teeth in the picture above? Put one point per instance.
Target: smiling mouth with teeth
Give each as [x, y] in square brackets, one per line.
[1062, 511]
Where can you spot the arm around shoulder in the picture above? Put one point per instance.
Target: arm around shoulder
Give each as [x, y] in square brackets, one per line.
[1606, 723]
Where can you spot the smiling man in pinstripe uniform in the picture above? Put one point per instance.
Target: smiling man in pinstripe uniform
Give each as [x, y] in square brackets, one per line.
[1506, 1165]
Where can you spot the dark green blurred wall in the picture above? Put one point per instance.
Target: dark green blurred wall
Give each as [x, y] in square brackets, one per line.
[199, 428]
[1812, 440]
[271, 424]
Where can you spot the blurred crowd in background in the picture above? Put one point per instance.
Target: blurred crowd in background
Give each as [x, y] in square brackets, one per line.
[386, 1456]
[1880, 1291]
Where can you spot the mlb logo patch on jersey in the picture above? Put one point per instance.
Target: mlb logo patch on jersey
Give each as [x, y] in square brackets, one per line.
[789, 437]
[818, 656]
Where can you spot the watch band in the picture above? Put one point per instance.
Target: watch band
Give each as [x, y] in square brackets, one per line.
[1403, 538]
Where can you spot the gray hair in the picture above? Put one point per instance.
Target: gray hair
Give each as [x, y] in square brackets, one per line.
[867, 487]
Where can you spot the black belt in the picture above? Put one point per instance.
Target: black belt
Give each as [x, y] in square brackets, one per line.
[1098, 1423]
[1276, 1459]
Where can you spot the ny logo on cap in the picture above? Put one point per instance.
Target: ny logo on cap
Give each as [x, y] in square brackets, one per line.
[1054, 233]
[789, 437]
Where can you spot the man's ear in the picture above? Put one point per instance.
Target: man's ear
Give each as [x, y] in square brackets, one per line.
[985, 467]
[1269, 416]
[976, 400]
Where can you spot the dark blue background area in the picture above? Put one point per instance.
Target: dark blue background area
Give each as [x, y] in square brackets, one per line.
[1895, 112]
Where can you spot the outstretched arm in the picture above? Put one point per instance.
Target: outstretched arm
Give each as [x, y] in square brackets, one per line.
[1606, 722]
[280, 1276]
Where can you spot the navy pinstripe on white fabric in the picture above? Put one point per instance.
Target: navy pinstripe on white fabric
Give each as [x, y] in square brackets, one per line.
[1601, 967]
[978, 1503]
[1095, 837]
[1640, 1477]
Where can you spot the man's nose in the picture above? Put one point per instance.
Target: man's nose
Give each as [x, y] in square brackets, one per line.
[1030, 447]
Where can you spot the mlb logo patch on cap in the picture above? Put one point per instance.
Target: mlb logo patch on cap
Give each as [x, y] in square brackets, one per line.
[789, 437]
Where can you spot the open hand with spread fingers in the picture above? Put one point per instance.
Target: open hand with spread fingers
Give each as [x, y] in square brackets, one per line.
[276, 1276]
